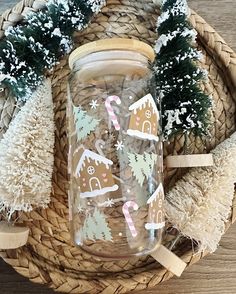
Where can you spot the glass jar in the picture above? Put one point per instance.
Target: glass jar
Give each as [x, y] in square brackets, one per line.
[115, 149]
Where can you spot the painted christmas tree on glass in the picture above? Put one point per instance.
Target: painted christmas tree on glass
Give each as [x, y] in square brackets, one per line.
[95, 227]
[85, 124]
[142, 165]
[185, 107]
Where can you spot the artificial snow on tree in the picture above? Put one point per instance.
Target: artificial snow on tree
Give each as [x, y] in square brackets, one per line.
[26, 155]
[200, 203]
[95, 227]
[85, 124]
[36, 46]
[185, 107]
[142, 165]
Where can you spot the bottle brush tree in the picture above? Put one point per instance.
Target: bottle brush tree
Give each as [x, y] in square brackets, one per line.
[26, 155]
[185, 107]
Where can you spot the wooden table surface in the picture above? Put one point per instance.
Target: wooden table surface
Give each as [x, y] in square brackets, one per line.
[217, 272]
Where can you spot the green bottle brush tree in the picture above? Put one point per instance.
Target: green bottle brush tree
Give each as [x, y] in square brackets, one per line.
[185, 107]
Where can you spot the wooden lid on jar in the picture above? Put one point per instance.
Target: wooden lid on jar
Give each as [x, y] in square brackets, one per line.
[112, 44]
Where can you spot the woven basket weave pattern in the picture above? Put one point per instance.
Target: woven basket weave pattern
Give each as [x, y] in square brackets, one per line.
[50, 256]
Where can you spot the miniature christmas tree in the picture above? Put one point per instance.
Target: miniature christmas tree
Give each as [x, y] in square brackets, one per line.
[85, 124]
[185, 107]
[200, 203]
[26, 155]
[33, 47]
[142, 165]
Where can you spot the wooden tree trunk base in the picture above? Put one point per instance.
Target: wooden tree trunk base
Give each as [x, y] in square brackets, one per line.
[12, 237]
[192, 160]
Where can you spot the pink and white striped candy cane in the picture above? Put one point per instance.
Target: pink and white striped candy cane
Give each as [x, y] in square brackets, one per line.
[111, 112]
[125, 209]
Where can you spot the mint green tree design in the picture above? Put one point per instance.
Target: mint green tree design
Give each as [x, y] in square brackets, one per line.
[142, 165]
[102, 226]
[84, 123]
[89, 228]
[95, 227]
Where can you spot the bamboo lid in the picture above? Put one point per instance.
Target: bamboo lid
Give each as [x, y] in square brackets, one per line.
[112, 44]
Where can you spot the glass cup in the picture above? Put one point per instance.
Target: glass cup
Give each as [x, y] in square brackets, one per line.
[115, 149]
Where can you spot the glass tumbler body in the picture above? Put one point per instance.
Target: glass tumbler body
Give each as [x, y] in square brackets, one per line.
[115, 153]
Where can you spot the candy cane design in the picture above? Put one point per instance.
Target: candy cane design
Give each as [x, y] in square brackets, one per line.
[125, 209]
[111, 111]
[99, 144]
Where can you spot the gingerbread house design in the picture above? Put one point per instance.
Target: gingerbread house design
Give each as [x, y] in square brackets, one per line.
[144, 119]
[94, 174]
[156, 216]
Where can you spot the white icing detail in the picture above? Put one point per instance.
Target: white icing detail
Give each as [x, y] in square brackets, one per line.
[141, 103]
[91, 170]
[87, 154]
[102, 191]
[154, 226]
[148, 114]
[97, 183]
[149, 128]
[160, 215]
[159, 189]
[142, 135]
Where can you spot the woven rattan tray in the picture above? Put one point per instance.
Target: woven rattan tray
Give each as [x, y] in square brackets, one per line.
[50, 258]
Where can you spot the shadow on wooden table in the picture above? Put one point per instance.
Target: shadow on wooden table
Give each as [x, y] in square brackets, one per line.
[10, 283]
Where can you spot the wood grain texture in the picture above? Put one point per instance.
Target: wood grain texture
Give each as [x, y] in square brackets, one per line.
[214, 274]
